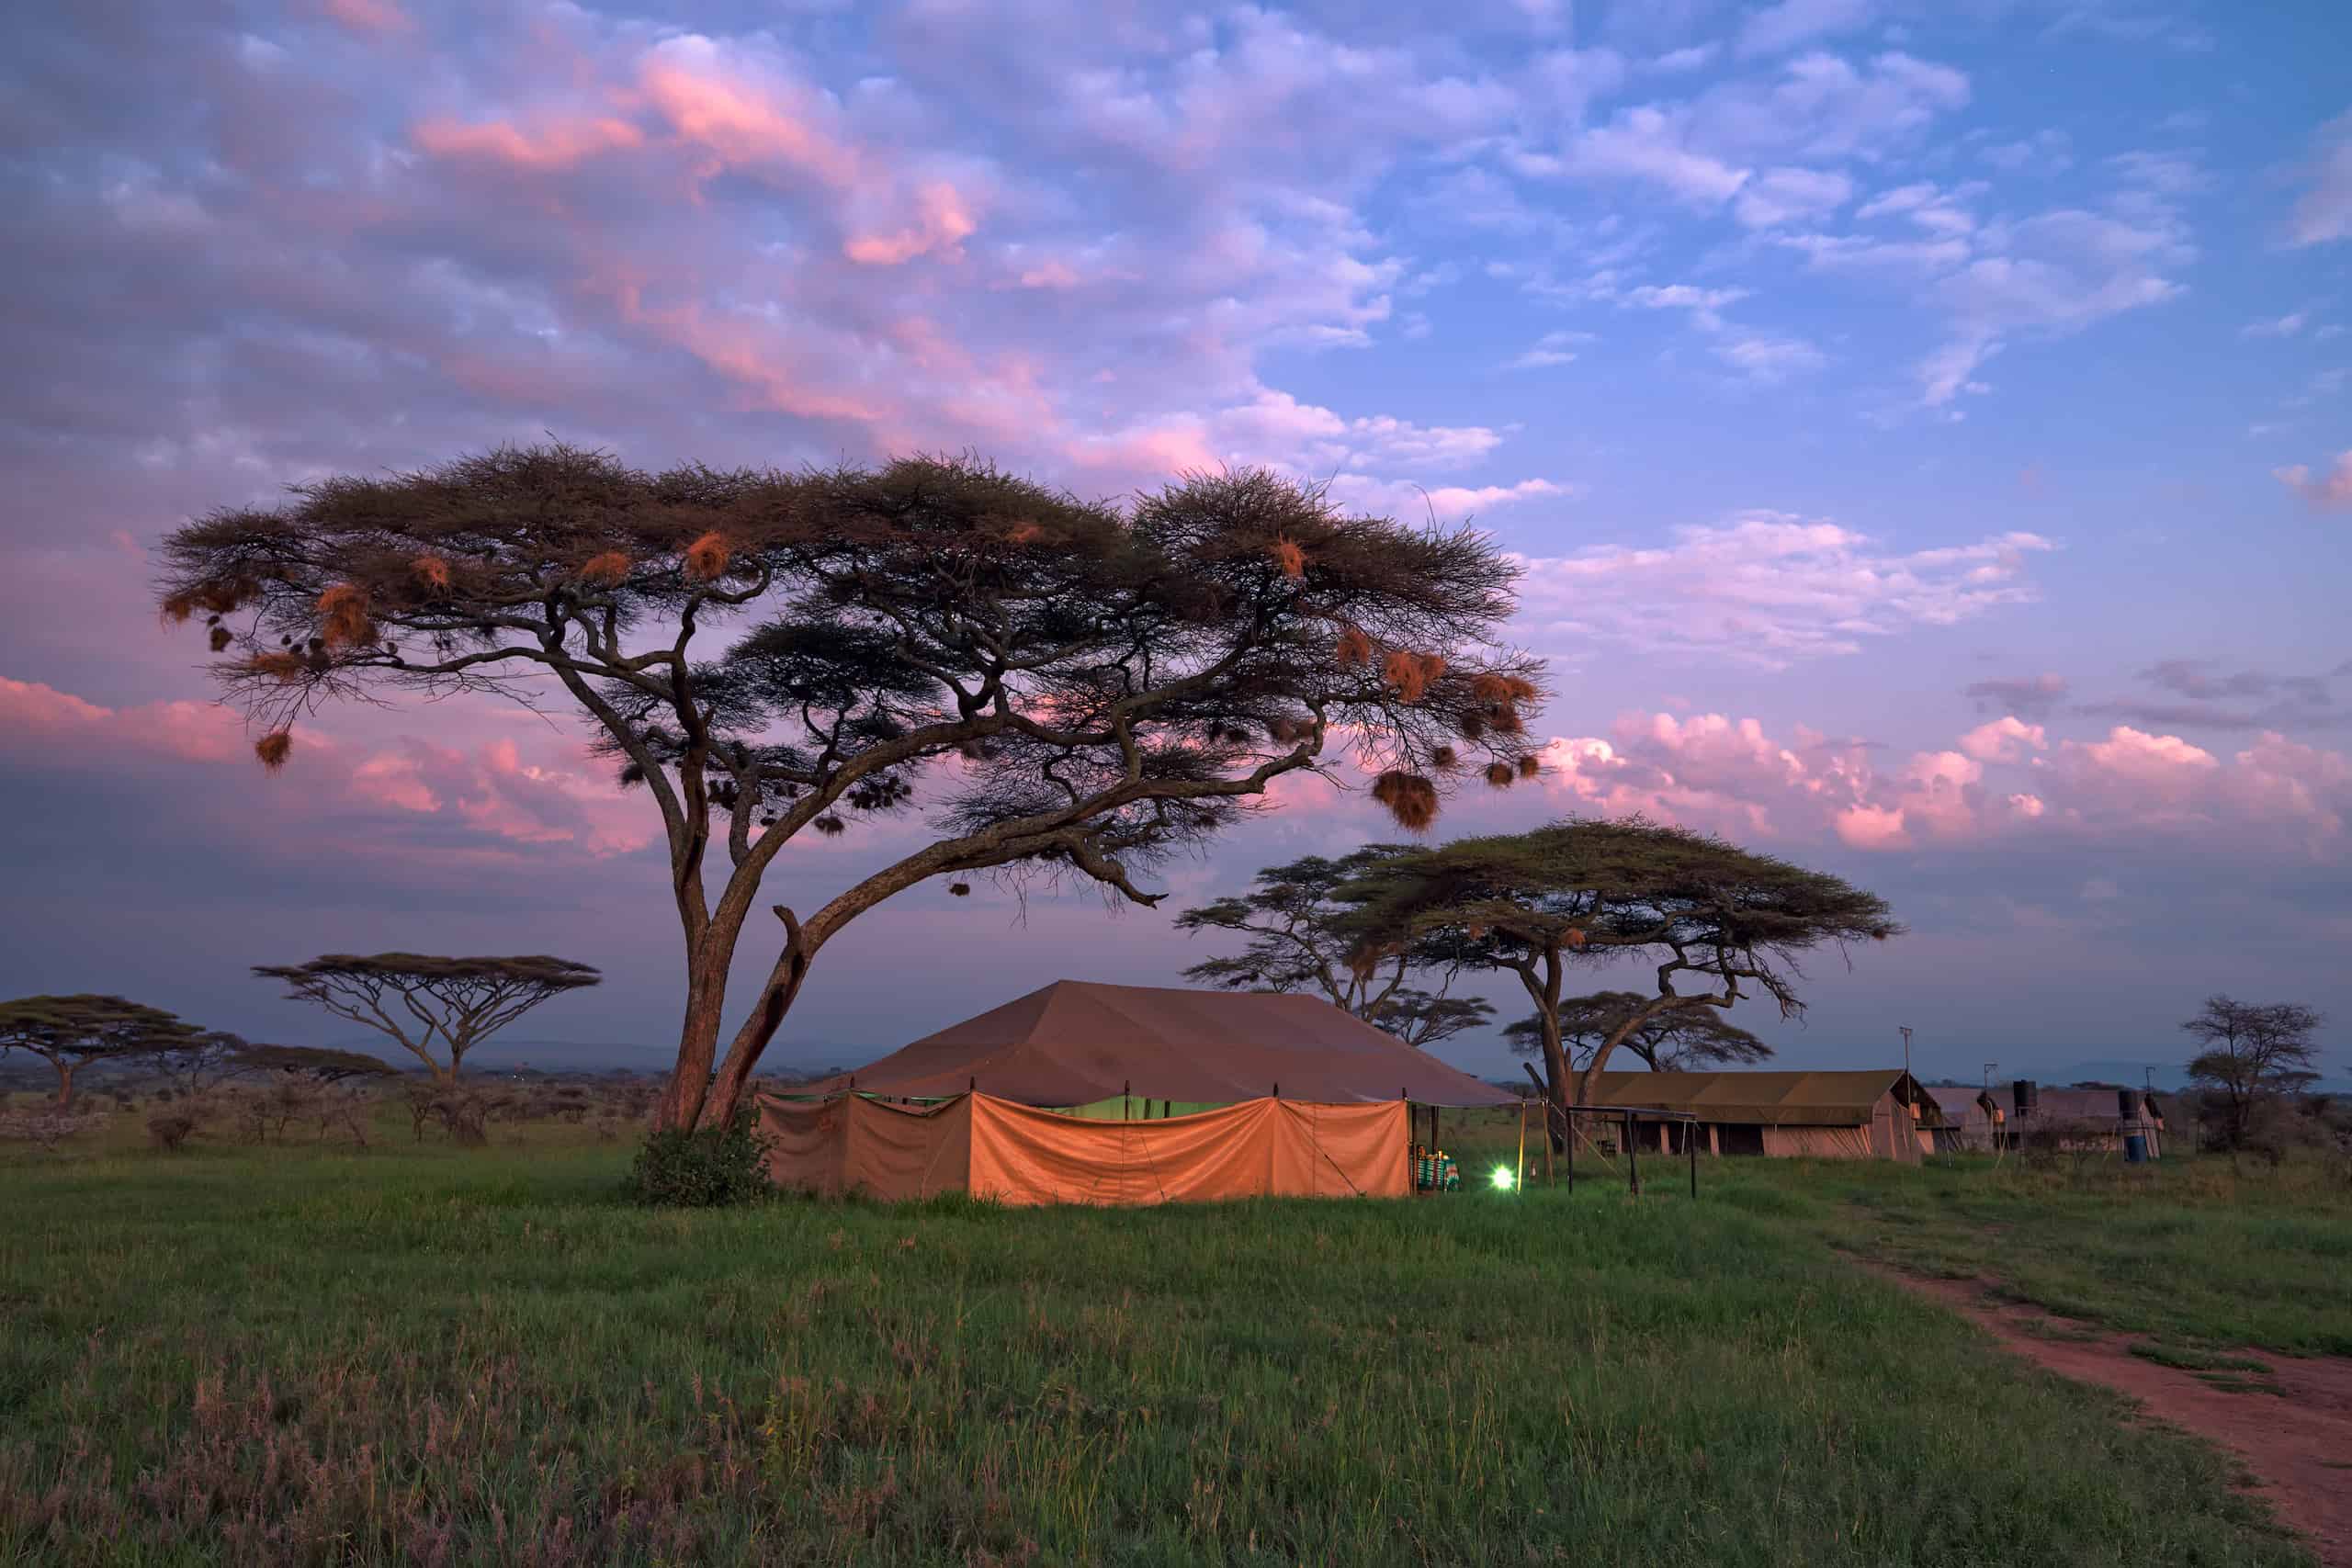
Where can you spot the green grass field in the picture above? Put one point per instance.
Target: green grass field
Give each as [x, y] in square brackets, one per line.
[420, 1355]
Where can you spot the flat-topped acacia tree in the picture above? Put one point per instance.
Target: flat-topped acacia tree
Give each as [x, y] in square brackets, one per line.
[1083, 687]
[1299, 941]
[416, 999]
[1726, 919]
[70, 1032]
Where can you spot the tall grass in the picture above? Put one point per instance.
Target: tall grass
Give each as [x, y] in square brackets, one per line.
[431, 1356]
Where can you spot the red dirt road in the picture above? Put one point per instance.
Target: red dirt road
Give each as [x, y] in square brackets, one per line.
[2298, 1447]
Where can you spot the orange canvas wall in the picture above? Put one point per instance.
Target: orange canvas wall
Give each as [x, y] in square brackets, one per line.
[1016, 1154]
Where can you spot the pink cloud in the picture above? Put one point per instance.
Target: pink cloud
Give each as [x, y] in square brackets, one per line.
[551, 144]
[496, 791]
[2333, 488]
[1873, 827]
[374, 16]
[1733, 777]
[941, 221]
[744, 113]
[2005, 740]
[2134, 754]
[1176, 444]
[493, 788]
[42, 723]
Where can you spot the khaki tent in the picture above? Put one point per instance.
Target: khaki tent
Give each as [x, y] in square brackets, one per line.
[1847, 1115]
[1301, 1100]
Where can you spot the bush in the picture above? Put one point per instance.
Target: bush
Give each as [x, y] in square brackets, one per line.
[705, 1170]
[168, 1131]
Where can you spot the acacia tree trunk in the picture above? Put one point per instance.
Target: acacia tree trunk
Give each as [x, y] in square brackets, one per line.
[64, 1082]
[1624, 1031]
[682, 1101]
[1543, 989]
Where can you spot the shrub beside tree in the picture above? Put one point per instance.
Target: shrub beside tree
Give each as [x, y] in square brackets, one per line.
[1078, 689]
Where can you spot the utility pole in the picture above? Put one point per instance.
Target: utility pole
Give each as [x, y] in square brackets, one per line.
[1906, 1053]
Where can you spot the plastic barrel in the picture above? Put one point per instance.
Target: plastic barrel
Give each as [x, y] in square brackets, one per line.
[2135, 1148]
[2127, 1104]
[2027, 1096]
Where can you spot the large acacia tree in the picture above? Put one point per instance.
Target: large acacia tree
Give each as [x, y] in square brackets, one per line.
[1084, 686]
[1678, 1040]
[436, 1008]
[70, 1032]
[1723, 921]
[1298, 940]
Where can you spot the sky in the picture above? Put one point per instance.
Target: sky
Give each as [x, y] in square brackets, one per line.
[1924, 428]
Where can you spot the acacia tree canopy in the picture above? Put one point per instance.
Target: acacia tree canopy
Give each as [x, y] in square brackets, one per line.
[71, 1032]
[1729, 920]
[1085, 687]
[1299, 941]
[416, 999]
[2254, 1052]
[1678, 1040]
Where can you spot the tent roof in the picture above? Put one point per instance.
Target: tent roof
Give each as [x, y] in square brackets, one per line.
[1075, 1041]
[1806, 1100]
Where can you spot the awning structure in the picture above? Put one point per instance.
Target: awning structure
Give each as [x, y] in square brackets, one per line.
[1076, 1042]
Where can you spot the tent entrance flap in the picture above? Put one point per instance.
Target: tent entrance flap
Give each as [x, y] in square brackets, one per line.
[1020, 1155]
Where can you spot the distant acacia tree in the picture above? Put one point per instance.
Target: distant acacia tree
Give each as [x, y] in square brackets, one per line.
[435, 1008]
[1592, 890]
[203, 1062]
[1091, 686]
[1680, 1039]
[2255, 1052]
[1298, 941]
[70, 1032]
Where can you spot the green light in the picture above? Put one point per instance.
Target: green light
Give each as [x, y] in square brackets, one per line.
[1503, 1177]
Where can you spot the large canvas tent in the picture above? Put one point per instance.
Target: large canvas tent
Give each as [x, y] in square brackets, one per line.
[1076, 1041]
[1830, 1115]
[1301, 1100]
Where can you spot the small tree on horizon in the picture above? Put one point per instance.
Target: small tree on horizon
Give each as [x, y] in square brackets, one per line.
[1299, 941]
[414, 999]
[71, 1033]
[2254, 1054]
[1680, 1039]
[1591, 890]
[1088, 687]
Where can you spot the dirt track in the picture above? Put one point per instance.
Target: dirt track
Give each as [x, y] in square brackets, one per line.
[2297, 1443]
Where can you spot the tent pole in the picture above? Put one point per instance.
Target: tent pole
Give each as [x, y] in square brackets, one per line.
[1692, 1142]
[1633, 1154]
[1519, 1176]
[1126, 1087]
